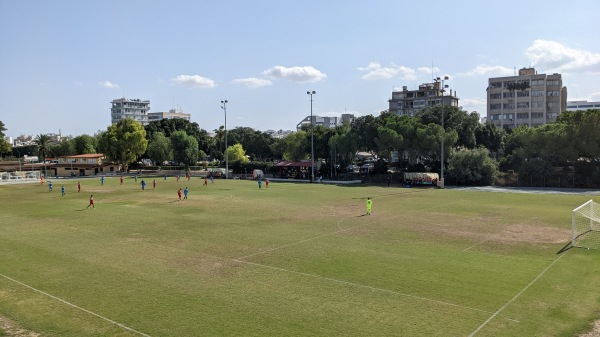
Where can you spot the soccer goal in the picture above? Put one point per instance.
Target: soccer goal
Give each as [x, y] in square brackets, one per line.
[585, 220]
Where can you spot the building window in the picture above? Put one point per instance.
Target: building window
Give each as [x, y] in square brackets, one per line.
[537, 115]
[552, 82]
[495, 106]
[508, 94]
[508, 105]
[522, 116]
[495, 96]
[523, 105]
[537, 93]
[495, 85]
[537, 82]
[523, 93]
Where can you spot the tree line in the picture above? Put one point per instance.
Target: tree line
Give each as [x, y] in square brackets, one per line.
[475, 153]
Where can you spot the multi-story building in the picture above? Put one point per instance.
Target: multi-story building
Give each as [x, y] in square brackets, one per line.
[328, 122]
[526, 99]
[135, 109]
[408, 102]
[582, 105]
[173, 113]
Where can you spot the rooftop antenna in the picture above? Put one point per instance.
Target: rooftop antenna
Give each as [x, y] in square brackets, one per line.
[515, 71]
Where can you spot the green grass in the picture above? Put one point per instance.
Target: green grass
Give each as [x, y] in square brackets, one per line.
[291, 260]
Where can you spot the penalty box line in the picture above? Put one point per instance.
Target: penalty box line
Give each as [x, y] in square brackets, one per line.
[360, 285]
[515, 297]
[76, 306]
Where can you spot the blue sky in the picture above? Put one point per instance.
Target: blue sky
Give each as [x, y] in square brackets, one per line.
[63, 62]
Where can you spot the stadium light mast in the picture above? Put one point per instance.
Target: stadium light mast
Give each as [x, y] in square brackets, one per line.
[442, 90]
[224, 107]
[312, 142]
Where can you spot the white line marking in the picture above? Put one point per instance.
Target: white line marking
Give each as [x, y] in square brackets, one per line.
[310, 239]
[75, 306]
[475, 245]
[359, 285]
[516, 296]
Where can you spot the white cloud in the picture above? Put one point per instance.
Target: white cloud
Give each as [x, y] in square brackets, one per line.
[474, 104]
[253, 82]
[306, 74]
[109, 85]
[495, 71]
[374, 71]
[194, 81]
[552, 56]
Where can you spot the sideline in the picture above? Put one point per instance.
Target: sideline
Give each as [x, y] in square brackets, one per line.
[76, 306]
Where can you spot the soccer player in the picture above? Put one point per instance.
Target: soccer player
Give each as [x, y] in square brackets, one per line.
[42, 180]
[205, 182]
[259, 182]
[102, 181]
[91, 202]
[62, 190]
[179, 194]
[78, 187]
[266, 182]
[154, 183]
[121, 180]
[49, 186]
[143, 185]
[185, 193]
[369, 205]
[212, 179]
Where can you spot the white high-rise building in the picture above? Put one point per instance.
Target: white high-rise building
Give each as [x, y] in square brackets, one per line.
[135, 109]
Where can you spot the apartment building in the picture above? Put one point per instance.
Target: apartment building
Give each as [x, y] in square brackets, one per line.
[173, 113]
[529, 98]
[408, 102]
[328, 122]
[135, 109]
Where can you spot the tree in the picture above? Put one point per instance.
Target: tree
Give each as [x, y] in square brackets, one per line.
[159, 148]
[43, 144]
[294, 146]
[472, 167]
[387, 140]
[123, 142]
[85, 144]
[185, 148]
[236, 154]
[66, 147]
[490, 136]
[257, 144]
[4, 145]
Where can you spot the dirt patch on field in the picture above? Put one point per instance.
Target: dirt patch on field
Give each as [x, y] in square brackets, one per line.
[529, 233]
[205, 265]
[11, 328]
[483, 230]
[595, 332]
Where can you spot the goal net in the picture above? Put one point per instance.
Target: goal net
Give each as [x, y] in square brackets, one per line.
[585, 221]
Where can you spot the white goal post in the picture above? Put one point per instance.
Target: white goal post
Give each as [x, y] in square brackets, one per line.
[585, 221]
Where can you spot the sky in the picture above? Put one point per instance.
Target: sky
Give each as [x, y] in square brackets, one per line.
[62, 62]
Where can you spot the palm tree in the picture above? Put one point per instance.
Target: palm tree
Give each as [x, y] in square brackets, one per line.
[43, 142]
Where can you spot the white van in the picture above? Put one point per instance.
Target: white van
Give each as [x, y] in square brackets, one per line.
[257, 174]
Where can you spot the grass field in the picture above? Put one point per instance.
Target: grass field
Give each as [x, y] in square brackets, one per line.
[291, 260]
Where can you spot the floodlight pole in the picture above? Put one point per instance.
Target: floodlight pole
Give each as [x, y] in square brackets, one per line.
[312, 142]
[224, 107]
[442, 90]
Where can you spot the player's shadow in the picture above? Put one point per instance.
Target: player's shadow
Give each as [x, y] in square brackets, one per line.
[358, 216]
